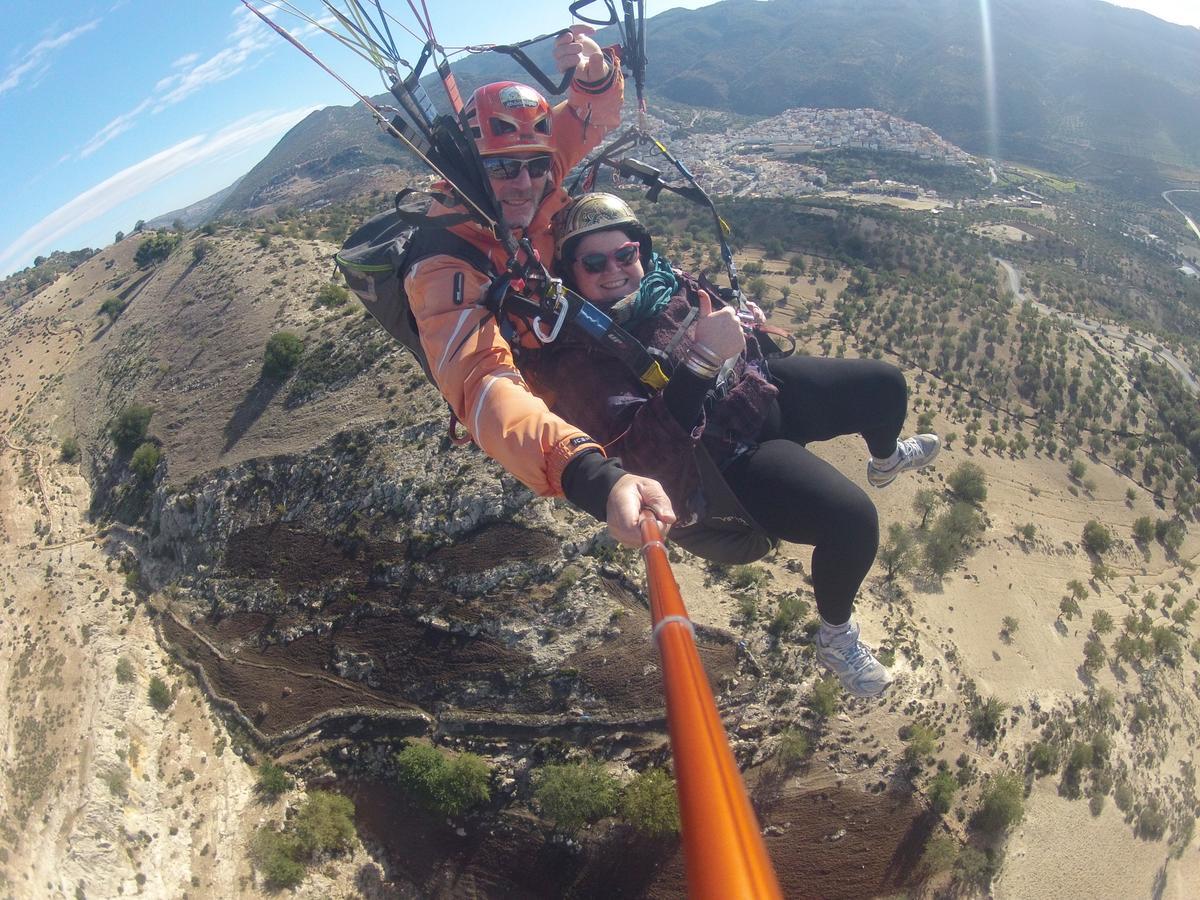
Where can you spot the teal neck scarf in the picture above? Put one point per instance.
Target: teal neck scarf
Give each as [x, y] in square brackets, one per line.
[654, 293]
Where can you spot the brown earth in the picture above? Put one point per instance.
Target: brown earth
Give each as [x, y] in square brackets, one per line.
[834, 844]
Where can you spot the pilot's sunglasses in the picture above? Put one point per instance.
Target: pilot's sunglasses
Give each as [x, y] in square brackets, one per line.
[595, 263]
[507, 168]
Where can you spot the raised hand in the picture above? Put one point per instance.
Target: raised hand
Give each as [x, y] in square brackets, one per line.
[719, 333]
[576, 48]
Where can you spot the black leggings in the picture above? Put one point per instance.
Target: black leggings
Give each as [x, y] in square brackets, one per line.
[799, 497]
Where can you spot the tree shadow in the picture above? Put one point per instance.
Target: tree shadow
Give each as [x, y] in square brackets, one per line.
[1160, 883]
[257, 399]
[907, 857]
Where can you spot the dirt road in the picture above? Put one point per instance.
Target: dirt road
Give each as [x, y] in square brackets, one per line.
[1108, 329]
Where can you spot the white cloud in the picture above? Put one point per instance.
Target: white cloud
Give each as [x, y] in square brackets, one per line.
[140, 177]
[248, 40]
[36, 61]
[119, 125]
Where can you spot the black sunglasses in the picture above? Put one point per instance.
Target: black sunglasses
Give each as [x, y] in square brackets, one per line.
[595, 263]
[507, 168]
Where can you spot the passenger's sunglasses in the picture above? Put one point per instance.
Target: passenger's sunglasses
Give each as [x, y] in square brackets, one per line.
[595, 263]
[507, 168]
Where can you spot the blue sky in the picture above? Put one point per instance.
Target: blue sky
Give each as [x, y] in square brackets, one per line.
[119, 110]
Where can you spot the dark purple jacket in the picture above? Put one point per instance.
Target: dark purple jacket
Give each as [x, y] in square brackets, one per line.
[594, 391]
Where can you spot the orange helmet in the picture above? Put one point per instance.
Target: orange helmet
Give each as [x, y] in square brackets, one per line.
[507, 117]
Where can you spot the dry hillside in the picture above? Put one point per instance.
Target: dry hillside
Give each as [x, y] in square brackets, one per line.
[318, 578]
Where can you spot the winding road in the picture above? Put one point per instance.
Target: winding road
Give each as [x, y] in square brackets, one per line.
[1186, 217]
[1109, 329]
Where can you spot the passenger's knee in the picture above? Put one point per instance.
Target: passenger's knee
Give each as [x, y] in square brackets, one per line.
[893, 385]
[858, 520]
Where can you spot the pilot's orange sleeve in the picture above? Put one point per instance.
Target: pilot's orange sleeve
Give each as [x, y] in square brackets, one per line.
[473, 367]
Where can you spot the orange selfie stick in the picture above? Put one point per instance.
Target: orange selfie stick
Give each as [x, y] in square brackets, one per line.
[723, 851]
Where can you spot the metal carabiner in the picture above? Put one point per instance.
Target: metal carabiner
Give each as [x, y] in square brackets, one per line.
[558, 324]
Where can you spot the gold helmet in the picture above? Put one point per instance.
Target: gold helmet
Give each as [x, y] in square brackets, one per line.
[598, 212]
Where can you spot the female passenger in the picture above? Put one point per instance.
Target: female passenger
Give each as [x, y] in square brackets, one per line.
[727, 437]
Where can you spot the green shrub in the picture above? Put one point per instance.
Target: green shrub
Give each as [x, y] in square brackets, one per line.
[1123, 796]
[117, 781]
[985, 718]
[449, 785]
[114, 306]
[826, 697]
[571, 795]
[747, 576]
[1152, 824]
[1096, 538]
[949, 536]
[324, 823]
[1068, 607]
[124, 671]
[975, 867]
[1167, 645]
[275, 855]
[942, 788]
[1094, 654]
[940, 855]
[68, 450]
[272, 780]
[968, 483]
[332, 295]
[1043, 758]
[1143, 530]
[128, 429]
[145, 460]
[1002, 804]
[282, 355]
[159, 694]
[649, 803]
[156, 248]
[898, 552]
[791, 609]
[1009, 626]
[921, 741]
[793, 747]
[1082, 756]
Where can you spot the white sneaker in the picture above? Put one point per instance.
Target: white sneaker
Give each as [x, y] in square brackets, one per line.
[915, 453]
[860, 673]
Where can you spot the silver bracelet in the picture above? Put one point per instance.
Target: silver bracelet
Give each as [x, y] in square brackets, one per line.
[707, 354]
[701, 367]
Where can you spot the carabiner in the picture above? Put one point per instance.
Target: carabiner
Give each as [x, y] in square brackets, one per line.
[558, 324]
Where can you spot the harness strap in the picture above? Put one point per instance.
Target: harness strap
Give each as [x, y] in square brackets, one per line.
[599, 328]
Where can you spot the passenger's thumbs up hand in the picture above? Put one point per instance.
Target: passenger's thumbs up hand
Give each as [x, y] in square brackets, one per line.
[719, 333]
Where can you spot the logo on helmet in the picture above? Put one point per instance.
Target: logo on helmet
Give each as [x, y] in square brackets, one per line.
[518, 96]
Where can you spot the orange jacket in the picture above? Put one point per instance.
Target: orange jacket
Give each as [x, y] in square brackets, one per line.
[471, 362]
